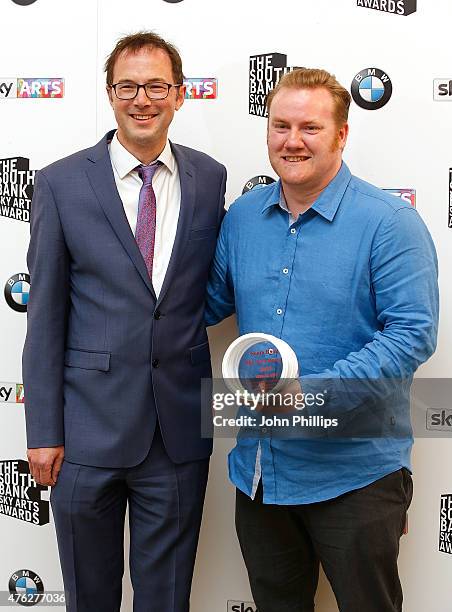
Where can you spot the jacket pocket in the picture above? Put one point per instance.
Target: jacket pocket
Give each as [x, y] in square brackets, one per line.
[87, 360]
[199, 353]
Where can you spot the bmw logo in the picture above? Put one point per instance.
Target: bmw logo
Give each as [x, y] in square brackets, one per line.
[26, 587]
[17, 289]
[24, 2]
[371, 88]
[257, 181]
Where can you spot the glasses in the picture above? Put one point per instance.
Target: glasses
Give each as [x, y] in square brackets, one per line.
[154, 91]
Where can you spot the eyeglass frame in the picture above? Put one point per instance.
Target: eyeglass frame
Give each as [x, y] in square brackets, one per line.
[143, 85]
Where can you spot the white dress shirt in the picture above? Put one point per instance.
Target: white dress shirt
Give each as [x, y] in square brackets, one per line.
[166, 186]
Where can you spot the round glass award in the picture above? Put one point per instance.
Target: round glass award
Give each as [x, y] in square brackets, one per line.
[258, 363]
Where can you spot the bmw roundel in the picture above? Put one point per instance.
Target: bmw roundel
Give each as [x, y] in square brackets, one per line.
[261, 180]
[371, 88]
[26, 587]
[17, 289]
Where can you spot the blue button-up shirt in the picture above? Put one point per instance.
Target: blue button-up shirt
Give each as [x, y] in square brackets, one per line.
[351, 285]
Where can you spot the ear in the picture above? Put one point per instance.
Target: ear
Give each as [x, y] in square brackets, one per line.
[342, 136]
[109, 91]
[180, 97]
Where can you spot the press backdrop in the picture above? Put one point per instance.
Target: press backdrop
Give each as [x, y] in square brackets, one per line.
[53, 102]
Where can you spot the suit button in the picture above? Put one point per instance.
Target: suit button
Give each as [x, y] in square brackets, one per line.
[155, 363]
[157, 314]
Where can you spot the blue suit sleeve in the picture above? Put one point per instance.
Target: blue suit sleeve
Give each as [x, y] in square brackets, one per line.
[220, 301]
[403, 272]
[43, 356]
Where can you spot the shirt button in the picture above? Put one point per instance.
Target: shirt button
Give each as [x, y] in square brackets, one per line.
[279, 311]
[285, 270]
[293, 231]
[155, 363]
[157, 314]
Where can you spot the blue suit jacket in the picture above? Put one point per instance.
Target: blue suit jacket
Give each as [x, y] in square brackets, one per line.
[103, 358]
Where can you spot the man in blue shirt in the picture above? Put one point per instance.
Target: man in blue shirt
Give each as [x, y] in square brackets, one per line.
[347, 275]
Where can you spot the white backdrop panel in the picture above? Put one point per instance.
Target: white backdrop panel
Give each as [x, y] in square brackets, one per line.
[406, 144]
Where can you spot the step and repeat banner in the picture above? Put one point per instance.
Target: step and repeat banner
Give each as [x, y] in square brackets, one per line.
[393, 55]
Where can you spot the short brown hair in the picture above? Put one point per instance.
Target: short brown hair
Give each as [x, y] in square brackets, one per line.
[315, 78]
[134, 42]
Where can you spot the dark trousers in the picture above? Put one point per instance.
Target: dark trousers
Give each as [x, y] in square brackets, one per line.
[355, 537]
[165, 505]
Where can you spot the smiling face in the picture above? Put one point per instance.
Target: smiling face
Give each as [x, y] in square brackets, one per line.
[142, 123]
[304, 142]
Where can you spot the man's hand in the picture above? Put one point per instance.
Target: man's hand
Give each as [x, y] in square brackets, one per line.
[291, 394]
[293, 388]
[45, 464]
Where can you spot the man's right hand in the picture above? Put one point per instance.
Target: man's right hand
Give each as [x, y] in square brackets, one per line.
[45, 464]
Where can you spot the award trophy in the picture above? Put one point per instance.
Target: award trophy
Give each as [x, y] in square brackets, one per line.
[258, 363]
[257, 369]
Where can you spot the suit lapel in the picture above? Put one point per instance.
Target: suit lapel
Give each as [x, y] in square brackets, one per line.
[100, 174]
[187, 177]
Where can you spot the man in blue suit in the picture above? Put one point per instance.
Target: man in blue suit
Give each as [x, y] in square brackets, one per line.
[122, 237]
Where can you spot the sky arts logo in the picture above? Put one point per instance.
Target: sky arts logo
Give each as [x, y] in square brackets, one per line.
[17, 289]
[16, 188]
[407, 195]
[371, 88]
[241, 606]
[33, 87]
[398, 7]
[264, 72]
[201, 88]
[12, 393]
[20, 495]
[442, 90]
[261, 180]
[445, 524]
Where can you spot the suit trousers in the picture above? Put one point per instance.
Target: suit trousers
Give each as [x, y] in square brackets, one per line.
[165, 503]
[354, 536]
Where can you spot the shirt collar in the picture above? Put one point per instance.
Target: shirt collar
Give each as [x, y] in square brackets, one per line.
[328, 201]
[124, 162]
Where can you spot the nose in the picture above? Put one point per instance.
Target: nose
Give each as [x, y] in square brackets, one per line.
[294, 139]
[141, 98]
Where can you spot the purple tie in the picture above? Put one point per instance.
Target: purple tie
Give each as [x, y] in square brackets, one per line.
[145, 230]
